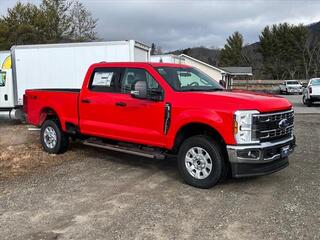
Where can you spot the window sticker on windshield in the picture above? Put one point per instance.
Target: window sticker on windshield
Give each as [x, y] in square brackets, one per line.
[102, 79]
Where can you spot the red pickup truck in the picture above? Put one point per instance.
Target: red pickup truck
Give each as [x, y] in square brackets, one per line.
[159, 109]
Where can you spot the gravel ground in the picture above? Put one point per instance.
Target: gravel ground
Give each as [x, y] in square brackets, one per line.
[95, 194]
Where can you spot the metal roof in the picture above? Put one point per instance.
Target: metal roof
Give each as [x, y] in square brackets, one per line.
[238, 70]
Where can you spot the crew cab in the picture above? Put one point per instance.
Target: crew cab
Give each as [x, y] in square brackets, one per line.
[311, 93]
[157, 110]
[291, 87]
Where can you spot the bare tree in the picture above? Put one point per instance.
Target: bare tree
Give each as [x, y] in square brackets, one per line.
[82, 23]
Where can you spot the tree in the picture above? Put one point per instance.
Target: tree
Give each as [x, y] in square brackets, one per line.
[82, 23]
[231, 54]
[20, 26]
[57, 22]
[53, 22]
[283, 48]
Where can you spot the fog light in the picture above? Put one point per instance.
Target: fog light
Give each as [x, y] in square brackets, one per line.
[249, 154]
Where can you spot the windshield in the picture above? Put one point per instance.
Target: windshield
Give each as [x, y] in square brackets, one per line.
[188, 79]
[315, 82]
[293, 83]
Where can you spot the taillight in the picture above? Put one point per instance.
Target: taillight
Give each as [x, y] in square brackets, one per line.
[310, 89]
[25, 103]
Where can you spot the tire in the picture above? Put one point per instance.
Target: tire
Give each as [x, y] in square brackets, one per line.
[53, 139]
[196, 155]
[309, 102]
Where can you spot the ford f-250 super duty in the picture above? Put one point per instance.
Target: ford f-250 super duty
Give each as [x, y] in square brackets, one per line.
[159, 109]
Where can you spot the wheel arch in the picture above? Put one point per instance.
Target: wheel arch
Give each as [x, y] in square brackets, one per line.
[47, 113]
[196, 128]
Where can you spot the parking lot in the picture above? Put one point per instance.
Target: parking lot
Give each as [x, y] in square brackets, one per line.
[95, 194]
[300, 108]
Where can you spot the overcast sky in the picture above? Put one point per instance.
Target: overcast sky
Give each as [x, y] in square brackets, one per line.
[177, 24]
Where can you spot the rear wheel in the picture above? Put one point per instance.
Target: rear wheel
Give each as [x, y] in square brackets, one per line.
[53, 139]
[201, 162]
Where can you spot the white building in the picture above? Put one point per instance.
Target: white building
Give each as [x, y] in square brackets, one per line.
[225, 74]
[214, 72]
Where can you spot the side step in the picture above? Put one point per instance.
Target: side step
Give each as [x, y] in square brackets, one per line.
[129, 150]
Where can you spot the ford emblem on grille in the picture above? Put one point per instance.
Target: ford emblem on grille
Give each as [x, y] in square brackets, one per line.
[283, 123]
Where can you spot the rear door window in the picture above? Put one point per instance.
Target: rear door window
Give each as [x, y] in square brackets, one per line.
[105, 80]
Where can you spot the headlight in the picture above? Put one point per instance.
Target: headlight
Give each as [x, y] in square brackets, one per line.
[243, 126]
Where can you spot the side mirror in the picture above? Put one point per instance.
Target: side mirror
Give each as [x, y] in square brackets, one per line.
[140, 90]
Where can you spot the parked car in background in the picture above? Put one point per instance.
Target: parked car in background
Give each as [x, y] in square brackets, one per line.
[311, 93]
[159, 109]
[291, 87]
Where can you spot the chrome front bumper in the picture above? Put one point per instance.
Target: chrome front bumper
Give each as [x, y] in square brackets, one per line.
[260, 159]
[295, 90]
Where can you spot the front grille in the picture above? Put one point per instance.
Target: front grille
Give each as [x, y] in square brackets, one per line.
[267, 127]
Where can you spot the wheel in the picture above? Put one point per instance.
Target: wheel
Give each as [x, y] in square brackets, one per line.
[309, 102]
[53, 139]
[200, 162]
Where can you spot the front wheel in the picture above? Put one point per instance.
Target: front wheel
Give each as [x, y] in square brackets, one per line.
[201, 162]
[53, 139]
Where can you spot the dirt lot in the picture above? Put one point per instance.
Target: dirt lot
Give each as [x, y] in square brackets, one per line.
[95, 194]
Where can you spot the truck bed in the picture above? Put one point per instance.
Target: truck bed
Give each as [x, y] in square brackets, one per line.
[39, 102]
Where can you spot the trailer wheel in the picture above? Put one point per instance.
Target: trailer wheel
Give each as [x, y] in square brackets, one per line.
[53, 139]
[201, 162]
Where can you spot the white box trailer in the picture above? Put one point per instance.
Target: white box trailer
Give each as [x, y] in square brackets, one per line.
[58, 66]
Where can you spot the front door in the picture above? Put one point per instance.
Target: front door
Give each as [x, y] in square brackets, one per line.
[141, 119]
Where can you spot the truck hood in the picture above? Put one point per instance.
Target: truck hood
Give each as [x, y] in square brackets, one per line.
[243, 100]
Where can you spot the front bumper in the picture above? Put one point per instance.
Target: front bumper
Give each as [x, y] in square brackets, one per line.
[315, 97]
[260, 159]
[295, 90]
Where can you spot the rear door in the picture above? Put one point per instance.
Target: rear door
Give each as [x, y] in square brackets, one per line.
[97, 103]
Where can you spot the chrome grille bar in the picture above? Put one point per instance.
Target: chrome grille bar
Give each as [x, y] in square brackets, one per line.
[267, 127]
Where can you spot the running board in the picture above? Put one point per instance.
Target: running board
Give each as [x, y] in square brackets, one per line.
[128, 150]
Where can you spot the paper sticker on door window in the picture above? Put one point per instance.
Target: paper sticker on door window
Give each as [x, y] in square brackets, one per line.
[102, 79]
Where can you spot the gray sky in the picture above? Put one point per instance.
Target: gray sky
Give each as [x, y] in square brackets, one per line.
[177, 24]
